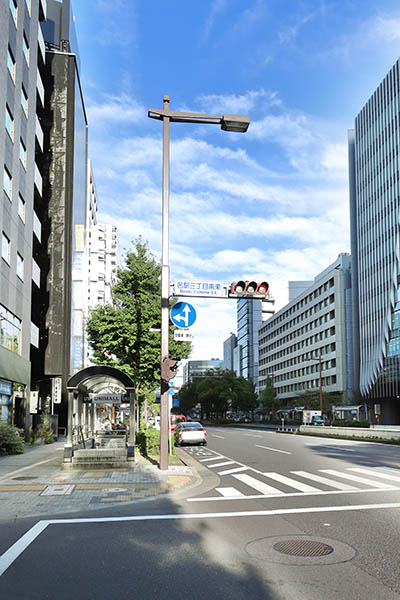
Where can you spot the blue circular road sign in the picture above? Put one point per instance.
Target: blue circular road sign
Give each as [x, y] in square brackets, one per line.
[183, 314]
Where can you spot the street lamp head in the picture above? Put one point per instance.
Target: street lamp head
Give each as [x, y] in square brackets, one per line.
[237, 123]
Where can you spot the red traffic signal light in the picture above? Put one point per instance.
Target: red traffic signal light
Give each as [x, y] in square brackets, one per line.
[168, 370]
[248, 289]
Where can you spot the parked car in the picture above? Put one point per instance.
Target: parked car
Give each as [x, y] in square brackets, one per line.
[190, 433]
[317, 420]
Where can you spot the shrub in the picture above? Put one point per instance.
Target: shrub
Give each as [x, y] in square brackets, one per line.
[45, 431]
[11, 439]
[346, 423]
[148, 441]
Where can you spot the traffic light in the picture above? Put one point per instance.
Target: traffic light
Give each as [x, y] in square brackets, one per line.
[246, 289]
[168, 370]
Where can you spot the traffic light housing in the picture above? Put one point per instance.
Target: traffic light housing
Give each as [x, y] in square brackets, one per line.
[168, 370]
[248, 289]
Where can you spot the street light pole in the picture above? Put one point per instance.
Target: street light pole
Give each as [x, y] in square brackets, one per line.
[164, 400]
[236, 123]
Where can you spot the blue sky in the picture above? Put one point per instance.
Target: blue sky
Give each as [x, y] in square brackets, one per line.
[271, 204]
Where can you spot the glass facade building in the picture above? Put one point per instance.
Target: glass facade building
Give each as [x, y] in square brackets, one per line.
[374, 208]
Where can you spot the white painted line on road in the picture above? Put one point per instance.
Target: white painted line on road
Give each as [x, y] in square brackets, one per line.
[42, 462]
[376, 484]
[217, 436]
[253, 435]
[213, 458]
[229, 492]
[18, 548]
[273, 449]
[375, 474]
[256, 484]
[236, 470]
[335, 484]
[292, 495]
[227, 462]
[297, 485]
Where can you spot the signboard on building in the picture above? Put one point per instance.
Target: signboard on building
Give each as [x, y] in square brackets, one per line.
[5, 387]
[107, 398]
[33, 403]
[56, 388]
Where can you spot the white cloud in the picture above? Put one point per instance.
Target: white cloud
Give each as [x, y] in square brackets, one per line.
[115, 109]
[238, 104]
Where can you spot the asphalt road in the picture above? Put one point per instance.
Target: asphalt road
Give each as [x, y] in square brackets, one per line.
[235, 537]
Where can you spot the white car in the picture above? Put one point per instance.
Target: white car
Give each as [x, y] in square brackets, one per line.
[190, 433]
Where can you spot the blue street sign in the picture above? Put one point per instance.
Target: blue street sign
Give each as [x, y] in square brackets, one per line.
[183, 314]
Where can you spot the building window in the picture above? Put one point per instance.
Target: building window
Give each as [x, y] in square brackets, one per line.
[21, 208]
[13, 9]
[24, 100]
[25, 48]
[22, 153]
[5, 248]
[20, 266]
[7, 183]
[10, 330]
[11, 64]
[9, 123]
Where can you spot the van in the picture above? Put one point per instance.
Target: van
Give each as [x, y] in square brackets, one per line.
[175, 419]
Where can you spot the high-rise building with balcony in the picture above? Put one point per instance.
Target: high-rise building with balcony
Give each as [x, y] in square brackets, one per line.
[374, 176]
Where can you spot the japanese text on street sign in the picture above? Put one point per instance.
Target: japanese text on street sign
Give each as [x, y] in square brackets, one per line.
[193, 287]
[183, 336]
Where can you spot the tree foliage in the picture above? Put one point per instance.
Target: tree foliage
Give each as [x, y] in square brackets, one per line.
[119, 334]
[217, 392]
[268, 396]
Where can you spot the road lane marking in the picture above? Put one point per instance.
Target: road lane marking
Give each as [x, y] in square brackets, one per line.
[291, 495]
[273, 449]
[230, 492]
[297, 485]
[18, 548]
[253, 435]
[217, 436]
[376, 484]
[256, 484]
[222, 464]
[236, 470]
[213, 458]
[335, 484]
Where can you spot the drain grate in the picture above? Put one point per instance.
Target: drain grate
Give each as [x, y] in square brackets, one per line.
[23, 478]
[303, 548]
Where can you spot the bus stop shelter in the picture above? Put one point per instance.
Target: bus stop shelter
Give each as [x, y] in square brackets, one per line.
[98, 379]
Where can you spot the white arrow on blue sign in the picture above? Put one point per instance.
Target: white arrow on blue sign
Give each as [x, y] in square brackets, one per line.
[183, 314]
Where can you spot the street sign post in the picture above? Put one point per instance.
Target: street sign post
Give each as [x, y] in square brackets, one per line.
[183, 314]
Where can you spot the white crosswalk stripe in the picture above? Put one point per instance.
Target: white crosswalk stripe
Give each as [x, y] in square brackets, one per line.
[338, 485]
[229, 492]
[375, 484]
[235, 470]
[297, 485]
[258, 485]
[376, 474]
[212, 458]
[222, 464]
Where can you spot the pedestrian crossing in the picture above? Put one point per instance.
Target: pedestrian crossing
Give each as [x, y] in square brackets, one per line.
[244, 482]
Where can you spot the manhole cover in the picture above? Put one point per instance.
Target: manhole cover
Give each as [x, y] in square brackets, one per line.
[303, 548]
[23, 478]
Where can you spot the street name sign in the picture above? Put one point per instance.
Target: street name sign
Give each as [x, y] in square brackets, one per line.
[199, 288]
[183, 314]
[183, 335]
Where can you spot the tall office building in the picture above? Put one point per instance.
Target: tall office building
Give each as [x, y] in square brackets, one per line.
[375, 246]
[250, 316]
[314, 328]
[22, 56]
[229, 349]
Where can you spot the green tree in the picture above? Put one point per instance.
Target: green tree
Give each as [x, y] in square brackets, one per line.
[120, 335]
[268, 396]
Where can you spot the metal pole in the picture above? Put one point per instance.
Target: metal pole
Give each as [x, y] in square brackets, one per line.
[164, 407]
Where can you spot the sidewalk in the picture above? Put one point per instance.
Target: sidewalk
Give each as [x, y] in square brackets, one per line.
[36, 483]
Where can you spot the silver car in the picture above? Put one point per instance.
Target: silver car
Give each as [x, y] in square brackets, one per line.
[190, 433]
